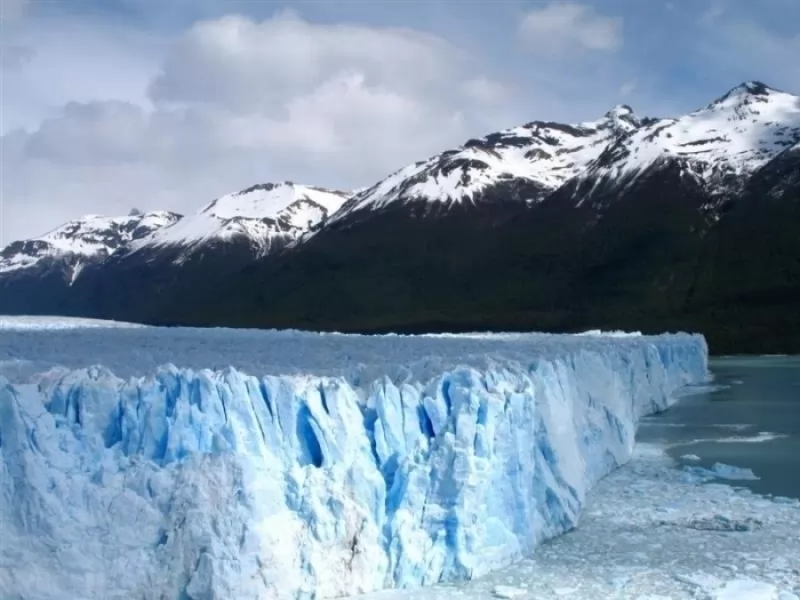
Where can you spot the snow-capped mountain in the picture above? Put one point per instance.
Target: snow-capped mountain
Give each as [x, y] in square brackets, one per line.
[717, 145]
[543, 155]
[195, 253]
[90, 238]
[258, 215]
[614, 224]
[620, 223]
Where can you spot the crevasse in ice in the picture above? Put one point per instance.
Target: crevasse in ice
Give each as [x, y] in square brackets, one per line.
[200, 484]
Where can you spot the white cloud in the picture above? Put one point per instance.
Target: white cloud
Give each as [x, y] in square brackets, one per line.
[237, 62]
[75, 61]
[236, 102]
[564, 27]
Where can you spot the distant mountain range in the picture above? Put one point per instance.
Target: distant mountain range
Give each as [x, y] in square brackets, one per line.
[624, 222]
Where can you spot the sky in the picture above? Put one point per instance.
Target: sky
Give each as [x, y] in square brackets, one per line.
[109, 105]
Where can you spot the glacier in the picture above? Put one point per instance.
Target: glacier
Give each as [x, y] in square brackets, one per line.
[310, 465]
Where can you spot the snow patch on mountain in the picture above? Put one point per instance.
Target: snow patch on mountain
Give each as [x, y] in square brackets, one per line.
[259, 214]
[89, 238]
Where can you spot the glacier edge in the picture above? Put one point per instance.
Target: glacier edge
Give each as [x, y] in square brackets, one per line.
[200, 484]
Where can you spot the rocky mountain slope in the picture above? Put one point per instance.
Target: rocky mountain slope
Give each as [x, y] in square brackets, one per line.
[624, 222]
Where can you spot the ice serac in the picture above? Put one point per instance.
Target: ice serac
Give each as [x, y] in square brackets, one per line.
[217, 484]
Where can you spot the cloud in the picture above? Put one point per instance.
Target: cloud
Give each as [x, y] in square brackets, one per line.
[237, 101]
[565, 27]
[71, 60]
[245, 64]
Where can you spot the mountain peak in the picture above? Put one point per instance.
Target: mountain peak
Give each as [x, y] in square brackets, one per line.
[757, 88]
[86, 238]
[621, 119]
[268, 200]
[620, 111]
[259, 213]
[719, 144]
[743, 92]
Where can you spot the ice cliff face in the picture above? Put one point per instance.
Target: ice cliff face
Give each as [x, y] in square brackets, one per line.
[217, 484]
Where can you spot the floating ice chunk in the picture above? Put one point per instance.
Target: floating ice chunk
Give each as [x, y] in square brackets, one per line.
[723, 471]
[785, 500]
[747, 589]
[723, 523]
[761, 437]
[508, 592]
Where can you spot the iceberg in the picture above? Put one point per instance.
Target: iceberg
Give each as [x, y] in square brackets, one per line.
[315, 465]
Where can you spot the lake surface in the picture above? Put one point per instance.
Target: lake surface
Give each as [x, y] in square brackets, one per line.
[749, 417]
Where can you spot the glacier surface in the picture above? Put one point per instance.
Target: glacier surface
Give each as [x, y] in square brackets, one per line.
[310, 465]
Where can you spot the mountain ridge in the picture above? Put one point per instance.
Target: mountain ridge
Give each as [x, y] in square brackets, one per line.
[612, 223]
[260, 213]
[84, 239]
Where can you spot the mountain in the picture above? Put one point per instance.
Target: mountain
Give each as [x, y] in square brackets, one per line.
[624, 240]
[77, 243]
[749, 277]
[130, 275]
[262, 216]
[36, 275]
[523, 164]
[718, 146]
[624, 222]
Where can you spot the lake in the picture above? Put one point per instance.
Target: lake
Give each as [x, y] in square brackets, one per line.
[749, 417]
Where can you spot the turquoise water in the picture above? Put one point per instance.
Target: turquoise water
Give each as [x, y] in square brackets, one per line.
[750, 418]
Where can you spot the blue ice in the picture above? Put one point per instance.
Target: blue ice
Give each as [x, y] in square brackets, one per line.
[315, 465]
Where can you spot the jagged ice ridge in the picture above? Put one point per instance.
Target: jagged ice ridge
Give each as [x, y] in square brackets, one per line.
[398, 462]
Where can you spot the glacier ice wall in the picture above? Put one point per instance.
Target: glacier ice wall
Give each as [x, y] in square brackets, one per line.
[201, 484]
